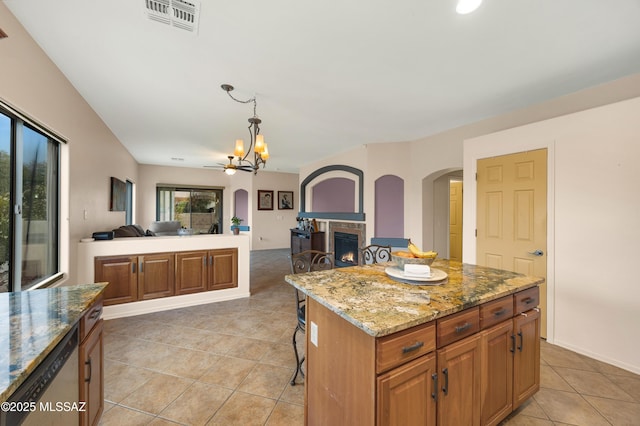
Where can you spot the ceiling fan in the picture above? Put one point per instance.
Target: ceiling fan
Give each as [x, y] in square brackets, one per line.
[230, 168]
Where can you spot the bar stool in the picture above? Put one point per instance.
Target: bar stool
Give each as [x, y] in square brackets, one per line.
[375, 253]
[305, 261]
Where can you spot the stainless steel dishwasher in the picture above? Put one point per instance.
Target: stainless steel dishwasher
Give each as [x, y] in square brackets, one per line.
[52, 391]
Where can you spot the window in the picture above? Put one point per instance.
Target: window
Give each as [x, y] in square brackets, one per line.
[199, 209]
[29, 203]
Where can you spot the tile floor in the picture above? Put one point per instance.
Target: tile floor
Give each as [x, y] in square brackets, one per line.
[230, 363]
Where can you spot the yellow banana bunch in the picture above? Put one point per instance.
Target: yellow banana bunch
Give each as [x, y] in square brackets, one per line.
[419, 253]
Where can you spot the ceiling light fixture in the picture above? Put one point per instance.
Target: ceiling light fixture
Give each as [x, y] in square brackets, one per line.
[256, 143]
[467, 6]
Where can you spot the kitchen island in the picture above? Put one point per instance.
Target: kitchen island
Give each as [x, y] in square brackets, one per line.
[35, 322]
[380, 351]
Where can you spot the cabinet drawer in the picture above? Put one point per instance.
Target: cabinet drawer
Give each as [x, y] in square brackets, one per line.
[496, 311]
[398, 348]
[526, 299]
[457, 326]
[90, 319]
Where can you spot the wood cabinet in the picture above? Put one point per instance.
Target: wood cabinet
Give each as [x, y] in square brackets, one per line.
[91, 374]
[136, 277]
[407, 394]
[203, 270]
[469, 368]
[305, 240]
[120, 273]
[133, 278]
[511, 358]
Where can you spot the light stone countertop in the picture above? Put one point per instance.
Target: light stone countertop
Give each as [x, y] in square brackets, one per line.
[32, 324]
[380, 305]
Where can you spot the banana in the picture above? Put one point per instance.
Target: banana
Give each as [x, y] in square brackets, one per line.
[419, 253]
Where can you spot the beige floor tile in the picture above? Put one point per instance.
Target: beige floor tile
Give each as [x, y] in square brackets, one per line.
[631, 385]
[550, 379]
[556, 356]
[248, 348]
[163, 422]
[183, 362]
[157, 393]
[197, 404]
[592, 383]
[243, 410]
[280, 354]
[227, 371]
[531, 408]
[266, 380]
[569, 408]
[293, 394]
[122, 379]
[619, 413]
[285, 414]
[120, 416]
[522, 420]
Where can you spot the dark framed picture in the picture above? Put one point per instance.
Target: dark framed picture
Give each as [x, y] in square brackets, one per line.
[118, 195]
[265, 200]
[285, 200]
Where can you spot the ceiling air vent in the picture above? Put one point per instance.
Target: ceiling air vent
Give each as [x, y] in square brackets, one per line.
[176, 13]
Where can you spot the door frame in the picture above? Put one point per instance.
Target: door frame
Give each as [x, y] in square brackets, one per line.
[492, 146]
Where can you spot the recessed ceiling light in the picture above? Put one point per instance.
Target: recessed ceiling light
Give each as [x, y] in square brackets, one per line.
[467, 6]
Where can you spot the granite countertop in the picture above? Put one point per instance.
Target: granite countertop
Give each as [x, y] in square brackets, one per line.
[379, 305]
[31, 325]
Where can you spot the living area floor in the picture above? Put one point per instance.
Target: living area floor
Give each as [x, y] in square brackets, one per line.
[230, 363]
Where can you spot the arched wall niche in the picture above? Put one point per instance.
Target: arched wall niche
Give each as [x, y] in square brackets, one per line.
[389, 207]
[328, 172]
[241, 204]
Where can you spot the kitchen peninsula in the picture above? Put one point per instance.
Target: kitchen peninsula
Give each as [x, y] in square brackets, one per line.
[39, 324]
[149, 274]
[380, 352]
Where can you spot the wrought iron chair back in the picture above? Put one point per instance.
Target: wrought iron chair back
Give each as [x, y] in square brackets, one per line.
[375, 253]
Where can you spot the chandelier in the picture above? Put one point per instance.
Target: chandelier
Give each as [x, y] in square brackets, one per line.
[256, 143]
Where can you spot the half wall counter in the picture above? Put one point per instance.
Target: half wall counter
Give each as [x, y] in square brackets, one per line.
[153, 274]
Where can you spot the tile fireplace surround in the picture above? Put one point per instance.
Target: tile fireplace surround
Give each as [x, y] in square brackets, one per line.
[358, 229]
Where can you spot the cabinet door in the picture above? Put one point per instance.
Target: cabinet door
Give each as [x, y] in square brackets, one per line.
[191, 272]
[406, 395]
[459, 381]
[223, 269]
[526, 362]
[92, 376]
[497, 345]
[156, 275]
[121, 274]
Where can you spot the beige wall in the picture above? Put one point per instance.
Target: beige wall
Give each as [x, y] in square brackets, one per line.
[30, 82]
[269, 228]
[593, 232]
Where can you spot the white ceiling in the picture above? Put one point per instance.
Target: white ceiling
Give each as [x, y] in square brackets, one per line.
[328, 75]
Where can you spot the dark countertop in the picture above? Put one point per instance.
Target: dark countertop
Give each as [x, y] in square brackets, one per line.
[31, 325]
[379, 305]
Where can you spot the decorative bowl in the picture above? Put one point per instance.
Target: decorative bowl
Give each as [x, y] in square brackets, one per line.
[401, 260]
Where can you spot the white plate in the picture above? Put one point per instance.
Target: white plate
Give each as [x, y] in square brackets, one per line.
[436, 277]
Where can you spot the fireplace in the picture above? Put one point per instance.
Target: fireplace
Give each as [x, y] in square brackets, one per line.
[346, 249]
[345, 239]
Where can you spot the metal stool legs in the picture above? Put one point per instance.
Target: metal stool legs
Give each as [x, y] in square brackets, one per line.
[299, 360]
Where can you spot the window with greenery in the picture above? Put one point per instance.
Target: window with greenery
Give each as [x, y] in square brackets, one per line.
[29, 203]
[199, 209]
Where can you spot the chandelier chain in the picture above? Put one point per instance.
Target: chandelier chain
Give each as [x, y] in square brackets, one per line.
[255, 102]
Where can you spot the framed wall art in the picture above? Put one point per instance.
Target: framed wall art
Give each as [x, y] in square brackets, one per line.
[265, 200]
[118, 198]
[285, 200]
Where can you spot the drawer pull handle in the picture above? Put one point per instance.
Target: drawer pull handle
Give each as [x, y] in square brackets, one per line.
[95, 314]
[88, 362]
[464, 327]
[434, 394]
[500, 312]
[513, 344]
[521, 341]
[413, 347]
[445, 389]
[527, 300]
